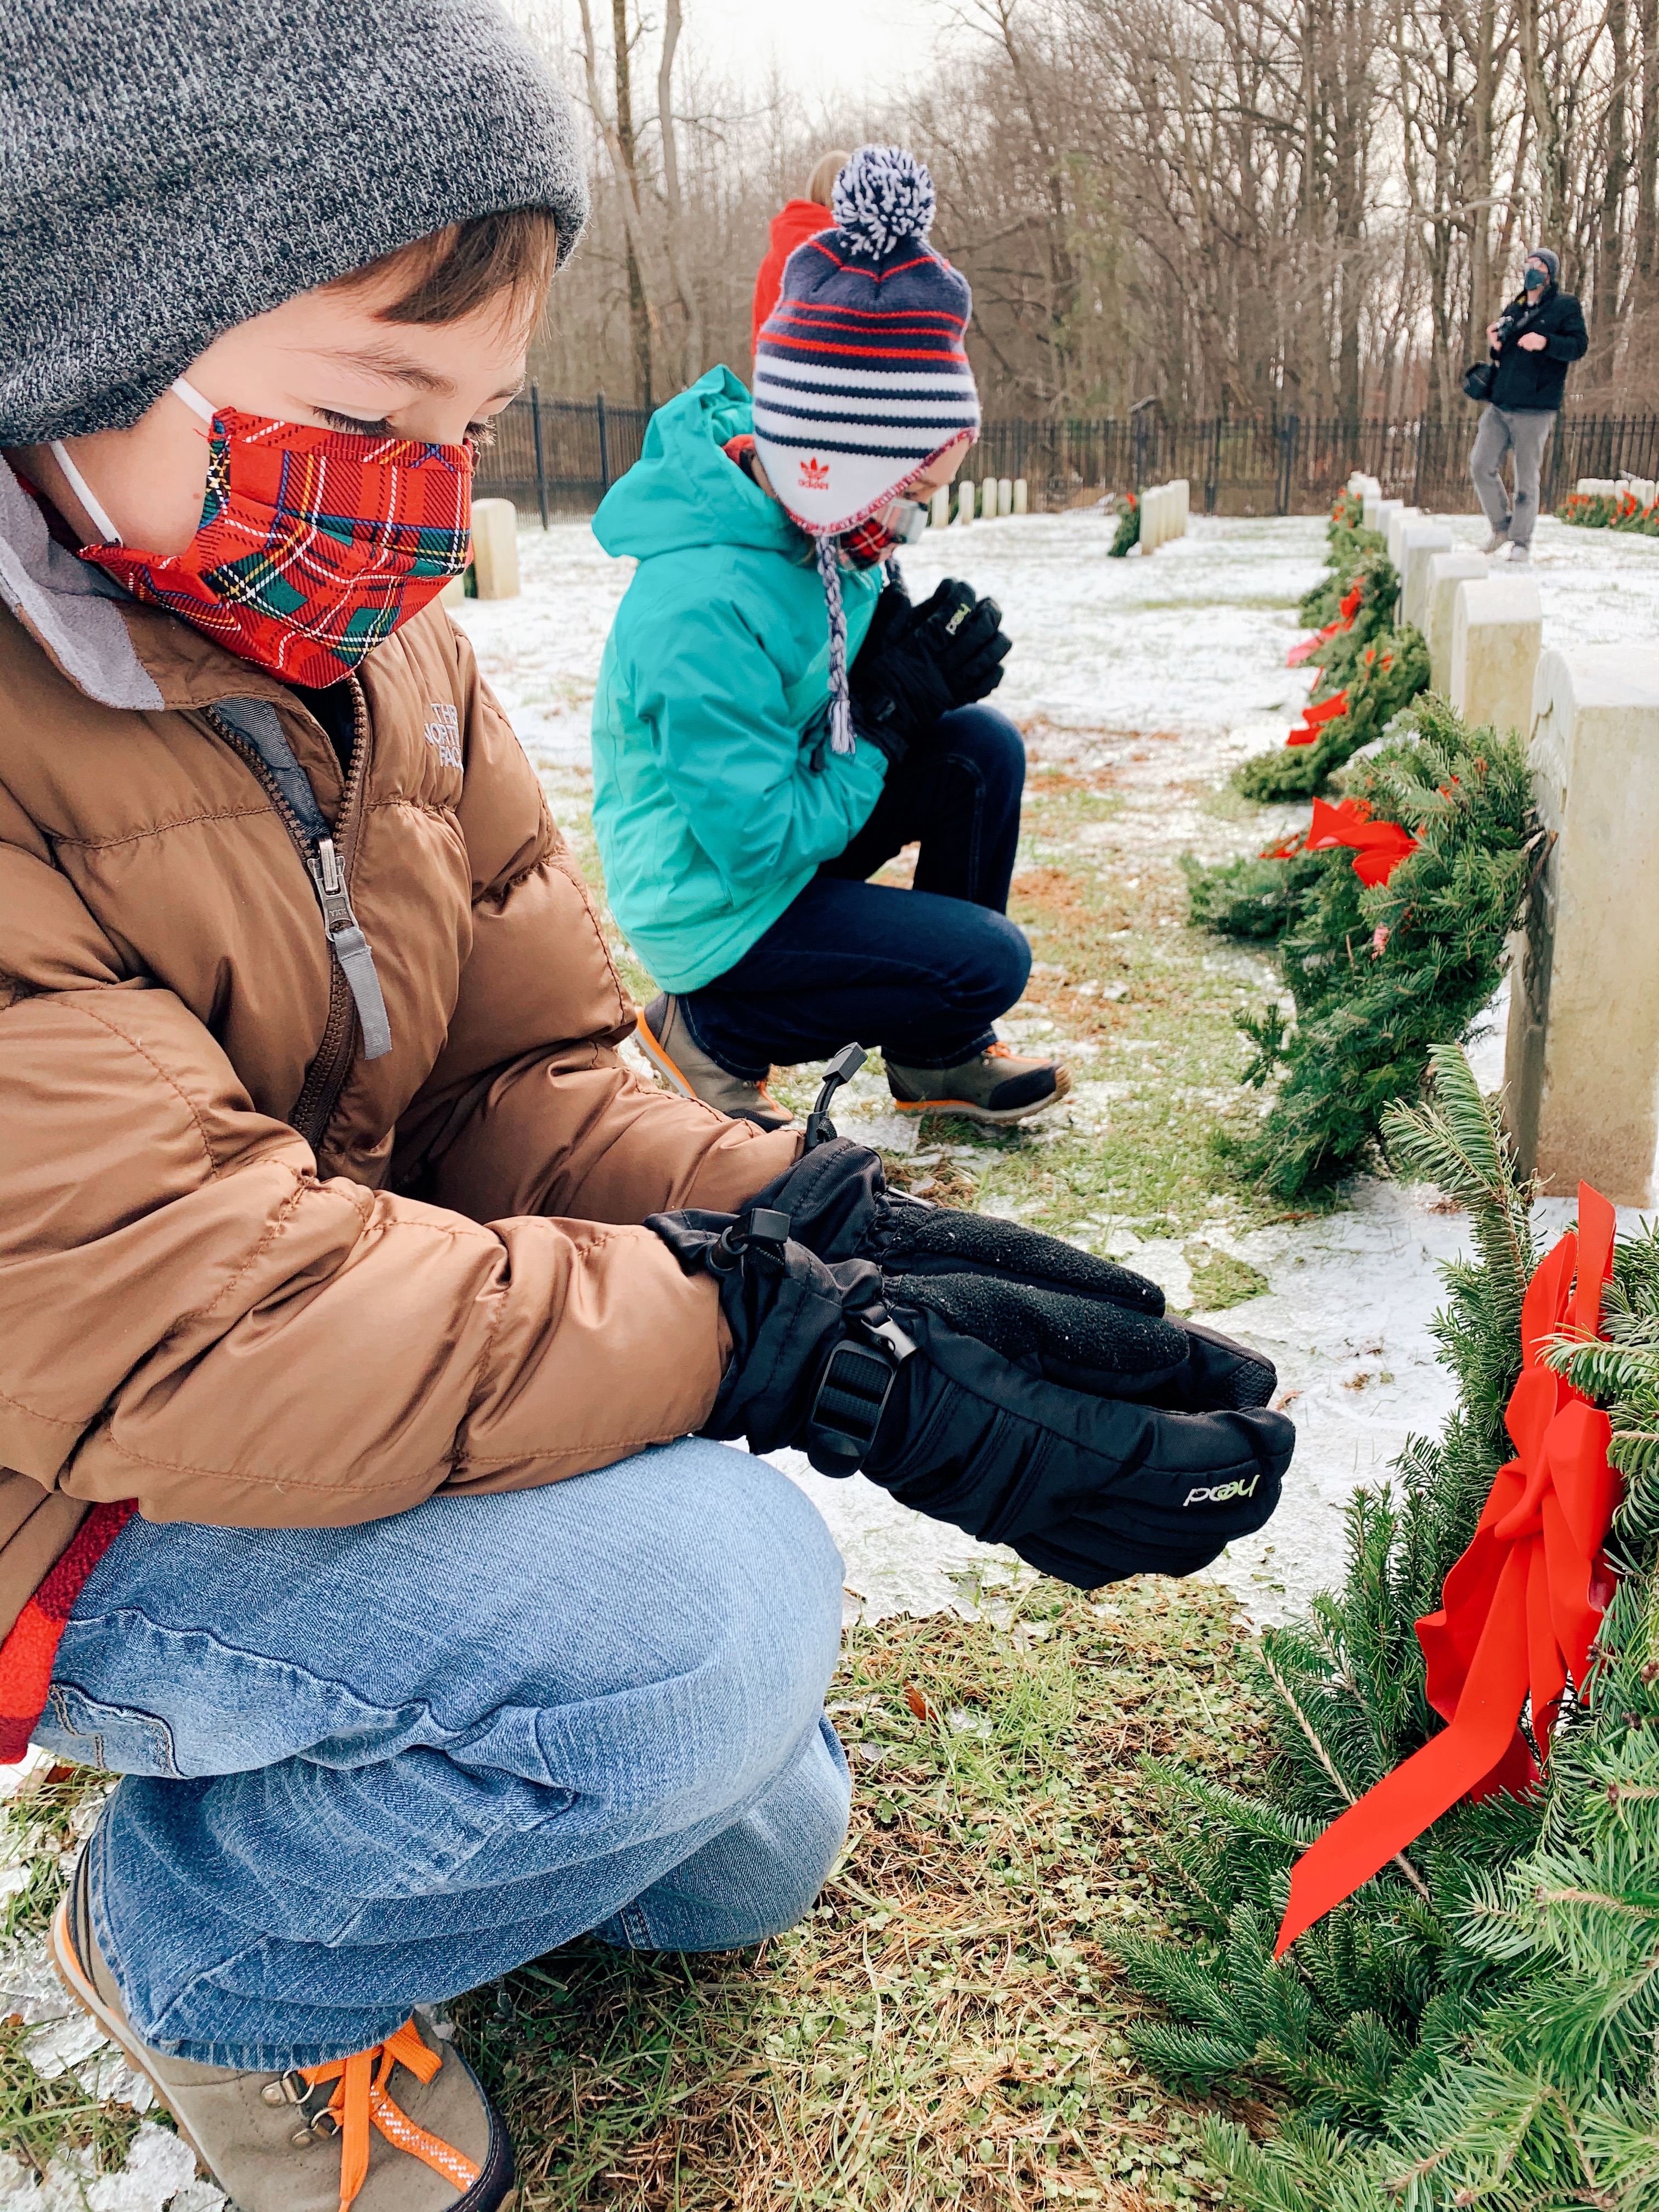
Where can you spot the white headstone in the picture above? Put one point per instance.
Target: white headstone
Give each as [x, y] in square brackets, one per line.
[1446, 572]
[1397, 526]
[939, 512]
[1581, 1064]
[1022, 496]
[1004, 495]
[495, 548]
[965, 502]
[1418, 544]
[1497, 628]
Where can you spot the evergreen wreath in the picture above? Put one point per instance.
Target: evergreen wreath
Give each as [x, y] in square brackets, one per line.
[1479, 2025]
[1601, 510]
[1361, 656]
[1379, 972]
[1128, 528]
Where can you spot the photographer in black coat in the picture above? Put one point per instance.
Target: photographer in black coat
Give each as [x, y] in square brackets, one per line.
[1539, 333]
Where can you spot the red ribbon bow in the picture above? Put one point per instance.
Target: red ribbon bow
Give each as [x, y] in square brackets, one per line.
[1378, 848]
[1520, 1608]
[1315, 718]
[1310, 646]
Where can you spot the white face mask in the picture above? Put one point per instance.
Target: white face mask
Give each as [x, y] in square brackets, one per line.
[108, 534]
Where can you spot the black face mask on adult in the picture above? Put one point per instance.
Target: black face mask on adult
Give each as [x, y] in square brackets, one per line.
[985, 1374]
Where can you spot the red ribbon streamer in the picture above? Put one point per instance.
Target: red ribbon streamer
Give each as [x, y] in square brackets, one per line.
[1378, 848]
[1310, 646]
[1315, 718]
[1520, 1609]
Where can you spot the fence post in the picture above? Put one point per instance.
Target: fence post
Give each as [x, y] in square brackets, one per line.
[1212, 482]
[541, 465]
[1287, 434]
[1417, 474]
[604, 448]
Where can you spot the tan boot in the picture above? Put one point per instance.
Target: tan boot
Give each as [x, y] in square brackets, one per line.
[998, 1084]
[402, 2127]
[683, 1064]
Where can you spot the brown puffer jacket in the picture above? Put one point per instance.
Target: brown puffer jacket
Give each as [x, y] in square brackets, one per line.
[247, 1275]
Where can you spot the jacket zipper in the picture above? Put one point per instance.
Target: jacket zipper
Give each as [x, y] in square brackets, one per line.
[328, 862]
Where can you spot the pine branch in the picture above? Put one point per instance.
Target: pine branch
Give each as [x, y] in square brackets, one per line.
[1329, 1766]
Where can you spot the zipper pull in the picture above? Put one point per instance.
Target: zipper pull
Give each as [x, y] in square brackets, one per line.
[351, 949]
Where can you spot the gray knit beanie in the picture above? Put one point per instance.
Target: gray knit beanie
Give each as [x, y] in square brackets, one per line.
[169, 168]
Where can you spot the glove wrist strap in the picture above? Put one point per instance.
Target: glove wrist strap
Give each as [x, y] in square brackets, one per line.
[852, 1396]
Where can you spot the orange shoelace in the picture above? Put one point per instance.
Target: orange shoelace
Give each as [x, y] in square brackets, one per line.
[361, 2099]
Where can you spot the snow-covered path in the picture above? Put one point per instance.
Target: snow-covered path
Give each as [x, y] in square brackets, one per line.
[1188, 649]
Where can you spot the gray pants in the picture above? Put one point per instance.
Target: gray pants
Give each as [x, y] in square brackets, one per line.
[1524, 434]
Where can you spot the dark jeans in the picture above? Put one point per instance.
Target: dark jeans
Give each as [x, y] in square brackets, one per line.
[921, 974]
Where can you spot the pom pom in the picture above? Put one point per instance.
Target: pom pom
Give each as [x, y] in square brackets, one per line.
[884, 198]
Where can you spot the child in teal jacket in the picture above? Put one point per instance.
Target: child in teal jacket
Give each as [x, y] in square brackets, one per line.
[772, 723]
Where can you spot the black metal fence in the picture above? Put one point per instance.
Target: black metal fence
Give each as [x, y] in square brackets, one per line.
[561, 455]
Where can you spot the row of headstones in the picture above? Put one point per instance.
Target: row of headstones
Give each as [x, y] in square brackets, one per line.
[995, 496]
[1646, 489]
[1581, 1066]
[1165, 509]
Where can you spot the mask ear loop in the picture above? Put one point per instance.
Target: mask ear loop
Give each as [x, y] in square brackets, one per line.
[192, 398]
[109, 535]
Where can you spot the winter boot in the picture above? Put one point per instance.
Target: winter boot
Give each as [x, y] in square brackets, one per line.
[402, 2127]
[1497, 540]
[1520, 554]
[996, 1085]
[686, 1067]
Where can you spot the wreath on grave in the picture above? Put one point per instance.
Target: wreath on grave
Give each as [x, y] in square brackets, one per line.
[1389, 917]
[1128, 528]
[1368, 669]
[1598, 510]
[1475, 2024]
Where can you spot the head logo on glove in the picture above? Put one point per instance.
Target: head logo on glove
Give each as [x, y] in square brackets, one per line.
[1222, 1492]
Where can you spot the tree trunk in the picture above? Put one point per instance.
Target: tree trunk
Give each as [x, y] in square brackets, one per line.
[691, 362]
[1647, 166]
[643, 316]
[639, 313]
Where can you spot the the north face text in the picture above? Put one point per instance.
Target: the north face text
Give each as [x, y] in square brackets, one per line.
[443, 733]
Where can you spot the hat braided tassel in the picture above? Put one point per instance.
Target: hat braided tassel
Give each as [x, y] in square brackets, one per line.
[841, 702]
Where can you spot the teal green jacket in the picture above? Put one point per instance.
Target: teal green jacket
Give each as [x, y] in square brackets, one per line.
[715, 794]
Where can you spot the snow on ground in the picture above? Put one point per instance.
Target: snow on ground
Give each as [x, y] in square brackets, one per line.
[1187, 646]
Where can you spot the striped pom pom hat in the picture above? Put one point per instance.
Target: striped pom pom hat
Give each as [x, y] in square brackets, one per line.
[861, 375]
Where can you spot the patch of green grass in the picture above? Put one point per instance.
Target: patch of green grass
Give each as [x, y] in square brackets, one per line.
[948, 2026]
[1219, 1280]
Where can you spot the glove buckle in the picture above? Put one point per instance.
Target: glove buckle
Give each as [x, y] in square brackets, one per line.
[852, 1396]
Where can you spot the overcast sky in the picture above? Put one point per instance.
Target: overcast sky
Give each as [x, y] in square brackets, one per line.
[824, 47]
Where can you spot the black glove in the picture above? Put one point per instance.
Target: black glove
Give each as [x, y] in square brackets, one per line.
[918, 663]
[986, 1375]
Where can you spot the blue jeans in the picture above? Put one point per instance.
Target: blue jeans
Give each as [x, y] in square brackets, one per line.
[921, 974]
[371, 1767]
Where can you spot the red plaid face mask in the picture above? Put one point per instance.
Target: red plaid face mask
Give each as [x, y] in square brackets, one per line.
[312, 546]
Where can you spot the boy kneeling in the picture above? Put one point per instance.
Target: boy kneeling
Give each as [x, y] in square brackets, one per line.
[745, 786]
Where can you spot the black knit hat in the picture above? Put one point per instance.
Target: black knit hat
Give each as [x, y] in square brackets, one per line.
[170, 168]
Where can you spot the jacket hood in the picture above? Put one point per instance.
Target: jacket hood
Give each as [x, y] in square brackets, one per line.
[684, 492]
[796, 221]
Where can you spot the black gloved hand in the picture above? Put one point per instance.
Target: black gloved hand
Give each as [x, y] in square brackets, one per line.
[926, 660]
[987, 1375]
